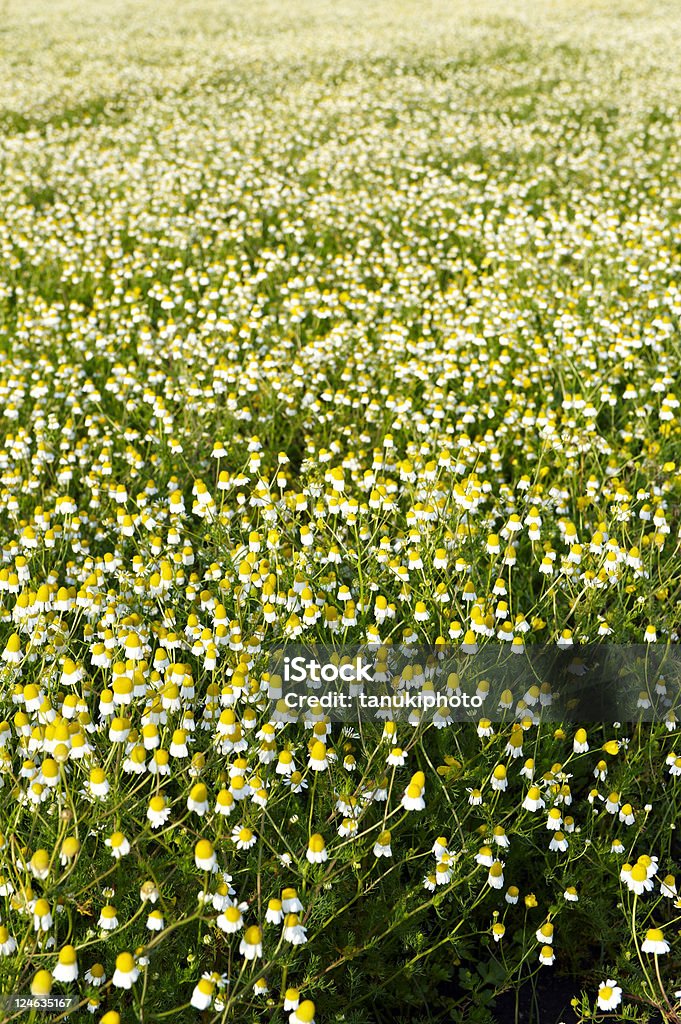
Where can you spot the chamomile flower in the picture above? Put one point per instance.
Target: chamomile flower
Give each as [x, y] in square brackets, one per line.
[533, 801]
[197, 800]
[41, 985]
[108, 918]
[250, 946]
[8, 943]
[66, 968]
[668, 887]
[39, 864]
[230, 920]
[243, 838]
[294, 932]
[204, 856]
[204, 990]
[274, 913]
[655, 942]
[316, 849]
[413, 799]
[554, 819]
[485, 856]
[382, 847]
[303, 1014]
[42, 915]
[118, 844]
[495, 878]
[290, 902]
[580, 742]
[609, 995]
[318, 760]
[95, 975]
[126, 972]
[157, 811]
[291, 999]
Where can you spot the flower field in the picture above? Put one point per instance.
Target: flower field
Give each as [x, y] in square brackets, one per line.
[353, 325]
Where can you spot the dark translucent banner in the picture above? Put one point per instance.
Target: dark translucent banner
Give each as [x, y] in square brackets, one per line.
[586, 683]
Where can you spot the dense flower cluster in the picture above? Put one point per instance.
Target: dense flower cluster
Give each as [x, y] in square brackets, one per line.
[376, 346]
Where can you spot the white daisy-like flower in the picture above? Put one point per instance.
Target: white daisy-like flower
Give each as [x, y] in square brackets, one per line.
[118, 844]
[126, 972]
[609, 995]
[204, 990]
[316, 849]
[655, 942]
[303, 1014]
[294, 932]
[250, 946]
[230, 920]
[243, 838]
[66, 968]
